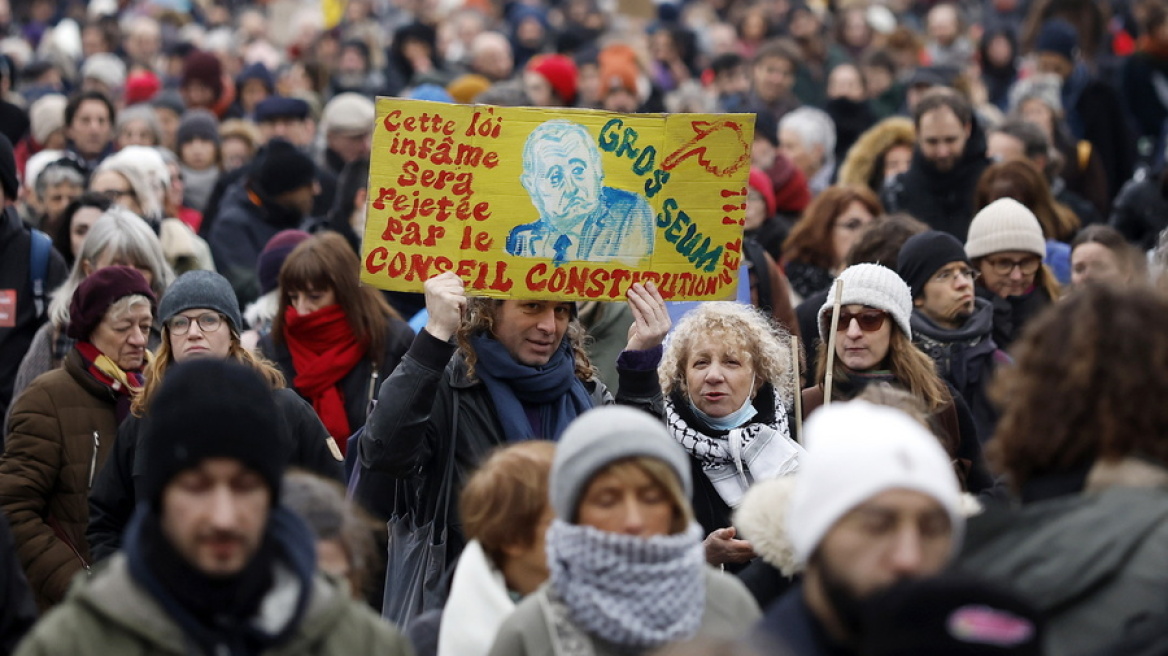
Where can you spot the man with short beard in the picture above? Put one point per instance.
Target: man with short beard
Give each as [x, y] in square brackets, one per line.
[948, 160]
[950, 323]
[875, 502]
[212, 563]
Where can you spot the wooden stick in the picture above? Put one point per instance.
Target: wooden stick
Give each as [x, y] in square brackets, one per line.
[798, 389]
[835, 316]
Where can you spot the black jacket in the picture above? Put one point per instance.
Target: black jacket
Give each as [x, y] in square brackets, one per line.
[230, 181]
[789, 627]
[1012, 313]
[18, 611]
[115, 488]
[1140, 211]
[362, 382]
[966, 359]
[16, 334]
[429, 406]
[240, 234]
[944, 200]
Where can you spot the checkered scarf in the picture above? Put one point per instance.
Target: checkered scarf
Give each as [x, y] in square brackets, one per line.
[623, 589]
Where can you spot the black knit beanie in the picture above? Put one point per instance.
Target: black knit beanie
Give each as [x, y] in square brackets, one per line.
[924, 254]
[210, 408]
[197, 124]
[280, 167]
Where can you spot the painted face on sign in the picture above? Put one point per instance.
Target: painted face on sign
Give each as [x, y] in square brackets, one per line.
[564, 179]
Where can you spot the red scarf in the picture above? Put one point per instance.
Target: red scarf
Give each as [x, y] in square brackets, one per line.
[324, 349]
[124, 384]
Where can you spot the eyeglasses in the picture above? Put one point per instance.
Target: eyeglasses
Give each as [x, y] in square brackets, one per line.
[208, 323]
[870, 320]
[949, 276]
[114, 195]
[1003, 266]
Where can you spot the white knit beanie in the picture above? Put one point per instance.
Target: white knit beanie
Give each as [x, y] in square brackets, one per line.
[46, 116]
[855, 451]
[1004, 225]
[105, 68]
[875, 286]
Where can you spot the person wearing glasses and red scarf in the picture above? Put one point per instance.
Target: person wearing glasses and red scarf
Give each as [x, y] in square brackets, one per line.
[62, 427]
[873, 345]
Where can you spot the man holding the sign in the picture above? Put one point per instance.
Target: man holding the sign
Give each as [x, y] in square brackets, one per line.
[486, 372]
[579, 218]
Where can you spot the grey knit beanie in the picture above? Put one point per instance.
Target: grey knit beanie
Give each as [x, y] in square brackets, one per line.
[602, 436]
[875, 286]
[201, 289]
[1004, 225]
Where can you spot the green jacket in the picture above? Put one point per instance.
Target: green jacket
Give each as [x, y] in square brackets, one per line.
[112, 614]
[1093, 564]
[730, 613]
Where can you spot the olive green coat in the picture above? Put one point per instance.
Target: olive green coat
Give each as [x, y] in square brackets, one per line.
[112, 614]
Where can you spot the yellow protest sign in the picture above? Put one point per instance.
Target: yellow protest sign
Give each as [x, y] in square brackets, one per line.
[566, 204]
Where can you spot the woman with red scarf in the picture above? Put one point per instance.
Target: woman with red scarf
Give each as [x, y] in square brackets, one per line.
[334, 339]
[63, 426]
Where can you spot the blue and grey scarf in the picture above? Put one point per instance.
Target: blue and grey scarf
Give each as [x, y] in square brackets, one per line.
[626, 590]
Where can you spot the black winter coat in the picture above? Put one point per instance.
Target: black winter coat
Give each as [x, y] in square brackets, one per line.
[16, 333]
[429, 406]
[1140, 211]
[966, 358]
[115, 489]
[240, 234]
[944, 200]
[18, 610]
[1012, 313]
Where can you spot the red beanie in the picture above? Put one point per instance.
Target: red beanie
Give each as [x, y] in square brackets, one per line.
[203, 67]
[761, 182]
[560, 72]
[141, 87]
[792, 195]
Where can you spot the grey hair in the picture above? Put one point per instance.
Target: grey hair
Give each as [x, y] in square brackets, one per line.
[1046, 87]
[140, 113]
[124, 305]
[52, 176]
[144, 176]
[814, 127]
[125, 236]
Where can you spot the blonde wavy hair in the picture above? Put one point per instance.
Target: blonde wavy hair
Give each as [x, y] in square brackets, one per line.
[766, 343]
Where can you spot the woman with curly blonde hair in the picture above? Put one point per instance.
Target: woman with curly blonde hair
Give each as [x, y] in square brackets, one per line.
[728, 380]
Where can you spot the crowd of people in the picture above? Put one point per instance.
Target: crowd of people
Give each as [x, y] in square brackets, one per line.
[931, 426]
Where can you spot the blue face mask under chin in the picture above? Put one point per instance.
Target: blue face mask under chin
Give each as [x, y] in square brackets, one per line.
[732, 420]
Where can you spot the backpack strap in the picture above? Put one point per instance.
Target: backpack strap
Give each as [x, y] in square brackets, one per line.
[40, 247]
